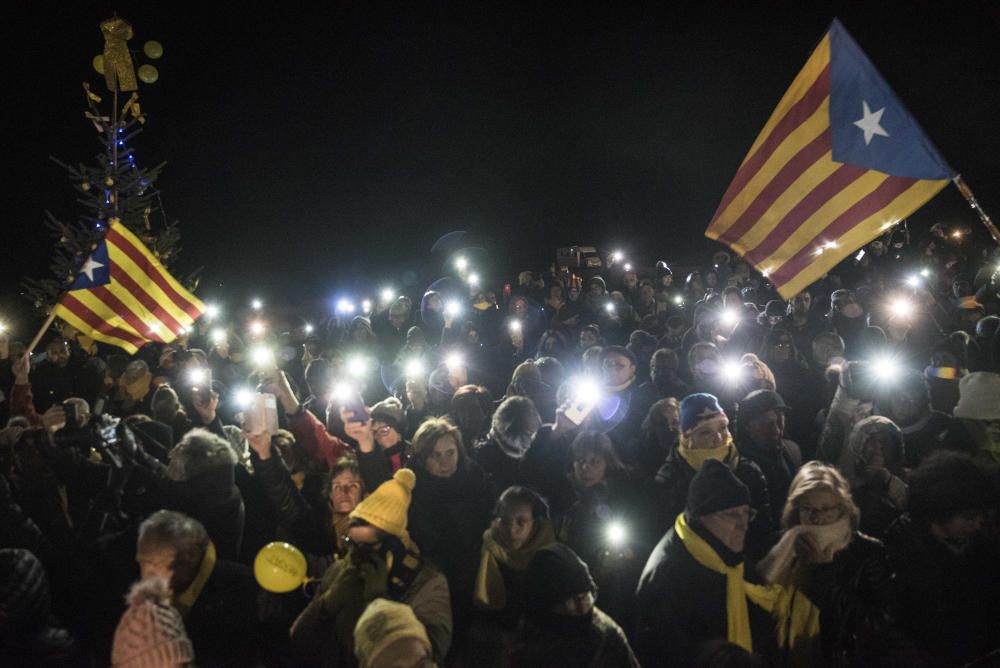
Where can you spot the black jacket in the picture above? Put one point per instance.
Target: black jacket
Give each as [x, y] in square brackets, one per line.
[675, 476]
[223, 624]
[303, 517]
[681, 607]
[949, 603]
[779, 466]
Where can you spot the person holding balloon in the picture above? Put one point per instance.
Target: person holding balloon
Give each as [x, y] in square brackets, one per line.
[382, 562]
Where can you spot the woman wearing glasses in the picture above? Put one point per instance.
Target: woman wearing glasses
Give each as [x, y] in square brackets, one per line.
[843, 572]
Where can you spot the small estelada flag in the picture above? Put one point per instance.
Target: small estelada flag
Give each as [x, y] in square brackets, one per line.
[124, 296]
[839, 162]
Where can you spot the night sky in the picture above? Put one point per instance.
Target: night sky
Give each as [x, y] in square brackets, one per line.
[307, 149]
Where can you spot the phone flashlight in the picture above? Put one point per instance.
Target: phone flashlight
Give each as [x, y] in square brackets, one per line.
[415, 368]
[616, 534]
[453, 308]
[454, 361]
[262, 357]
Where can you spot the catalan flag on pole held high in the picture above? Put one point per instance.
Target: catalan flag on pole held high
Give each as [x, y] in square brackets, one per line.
[839, 162]
[125, 297]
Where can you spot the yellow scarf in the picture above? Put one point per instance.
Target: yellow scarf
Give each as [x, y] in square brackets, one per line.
[696, 458]
[491, 592]
[796, 617]
[187, 598]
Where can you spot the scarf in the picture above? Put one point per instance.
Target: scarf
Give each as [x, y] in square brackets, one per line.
[490, 590]
[797, 618]
[514, 446]
[187, 598]
[780, 564]
[696, 458]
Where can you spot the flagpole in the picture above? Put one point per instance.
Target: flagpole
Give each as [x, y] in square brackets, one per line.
[41, 332]
[966, 191]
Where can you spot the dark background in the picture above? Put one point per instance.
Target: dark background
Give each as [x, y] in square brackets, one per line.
[314, 148]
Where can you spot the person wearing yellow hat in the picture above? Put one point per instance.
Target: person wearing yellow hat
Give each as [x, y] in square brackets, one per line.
[389, 634]
[382, 562]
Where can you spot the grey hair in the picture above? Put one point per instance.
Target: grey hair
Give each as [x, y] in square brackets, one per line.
[199, 451]
[186, 536]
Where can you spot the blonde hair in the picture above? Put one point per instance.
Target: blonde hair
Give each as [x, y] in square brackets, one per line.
[817, 475]
[430, 432]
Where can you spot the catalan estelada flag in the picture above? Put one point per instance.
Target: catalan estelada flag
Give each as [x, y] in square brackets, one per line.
[125, 297]
[840, 161]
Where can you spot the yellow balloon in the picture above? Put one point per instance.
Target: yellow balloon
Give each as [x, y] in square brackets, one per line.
[148, 74]
[153, 49]
[98, 63]
[279, 567]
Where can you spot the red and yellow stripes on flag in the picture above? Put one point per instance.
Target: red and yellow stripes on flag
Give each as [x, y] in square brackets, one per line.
[141, 303]
[792, 211]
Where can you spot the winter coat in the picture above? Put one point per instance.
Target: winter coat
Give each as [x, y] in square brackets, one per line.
[949, 603]
[501, 468]
[380, 464]
[859, 622]
[83, 377]
[880, 494]
[675, 476]
[447, 519]
[594, 640]
[212, 498]
[779, 466]
[681, 607]
[223, 623]
[314, 635]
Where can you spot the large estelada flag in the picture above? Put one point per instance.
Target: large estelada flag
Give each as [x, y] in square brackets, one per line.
[125, 297]
[840, 161]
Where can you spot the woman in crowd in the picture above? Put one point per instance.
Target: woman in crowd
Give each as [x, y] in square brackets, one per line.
[844, 572]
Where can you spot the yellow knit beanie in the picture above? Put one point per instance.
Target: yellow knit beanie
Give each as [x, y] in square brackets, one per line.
[382, 623]
[386, 508]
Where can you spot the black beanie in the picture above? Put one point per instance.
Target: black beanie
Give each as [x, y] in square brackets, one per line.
[555, 574]
[715, 488]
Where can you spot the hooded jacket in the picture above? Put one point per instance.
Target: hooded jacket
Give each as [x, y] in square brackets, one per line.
[879, 493]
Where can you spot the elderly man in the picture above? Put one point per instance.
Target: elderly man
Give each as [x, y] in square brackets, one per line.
[692, 593]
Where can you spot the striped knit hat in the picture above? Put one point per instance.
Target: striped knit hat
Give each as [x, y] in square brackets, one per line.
[150, 633]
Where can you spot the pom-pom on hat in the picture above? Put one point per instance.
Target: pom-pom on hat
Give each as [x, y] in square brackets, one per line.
[386, 508]
[696, 408]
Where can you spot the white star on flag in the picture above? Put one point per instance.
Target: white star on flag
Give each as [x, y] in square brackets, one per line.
[870, 123]
[89, 268]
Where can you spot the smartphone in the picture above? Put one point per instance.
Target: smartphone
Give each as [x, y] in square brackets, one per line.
[70, 409]
[200, 379]
[356, 406]
[262, 414]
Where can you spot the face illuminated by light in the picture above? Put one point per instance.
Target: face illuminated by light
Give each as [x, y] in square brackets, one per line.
[442, 462]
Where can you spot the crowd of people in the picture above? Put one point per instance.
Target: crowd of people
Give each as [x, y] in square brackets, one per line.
[619, 468]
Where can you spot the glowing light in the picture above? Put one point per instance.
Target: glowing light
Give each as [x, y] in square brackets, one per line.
[343, 391]
[357, 366]
[610, 307]
[3, 327]
[387, 294]
[454, 361]
[452, 308]
[732, 371]
[197, 376]
[461, 263]
[262, 356]
[218, 335]
[901, 308]
[678, 300]
[618, 256]
[886, 368]
[515, 326]
[628, 266]
[345, 305]
[256, 304]
[473, 279]
[415, 368]
[616, 534]
[243, 397]
[913, 281]
[257, 328]
[586, 390]
[957, 234]
[925, 272]
[730, 317]
[212, 311]
[154, 328]
[308, 329]
[366, 306]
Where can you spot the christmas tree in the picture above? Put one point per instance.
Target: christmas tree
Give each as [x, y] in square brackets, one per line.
[114, 185]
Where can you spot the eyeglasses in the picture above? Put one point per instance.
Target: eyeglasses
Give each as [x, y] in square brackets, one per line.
[383, 430]
[614, 365]
[736, 516]
[361, 545]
